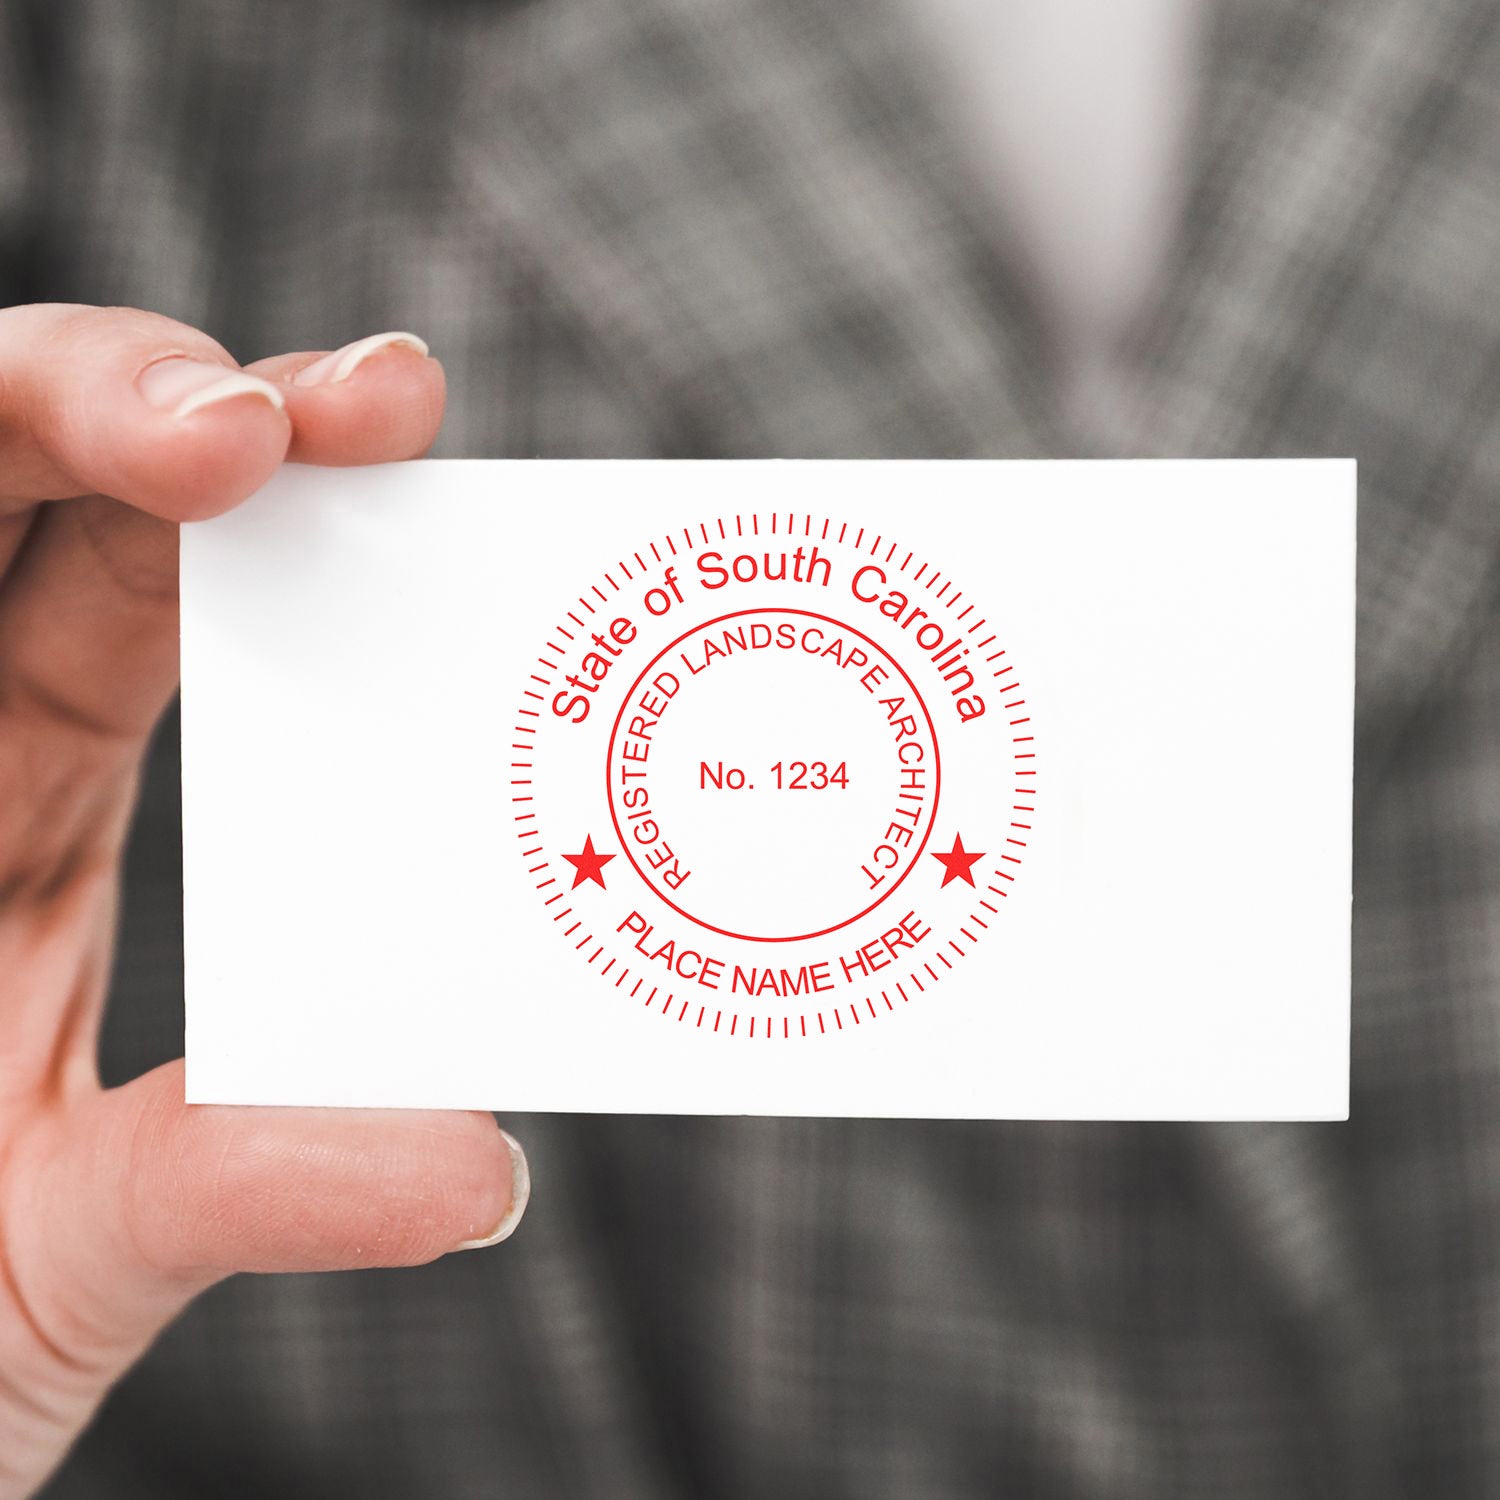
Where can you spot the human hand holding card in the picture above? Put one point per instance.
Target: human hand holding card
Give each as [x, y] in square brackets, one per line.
[973, 790]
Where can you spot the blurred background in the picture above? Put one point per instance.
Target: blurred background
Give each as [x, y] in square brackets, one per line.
[881, 228]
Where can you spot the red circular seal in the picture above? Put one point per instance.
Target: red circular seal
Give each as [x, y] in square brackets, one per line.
[774, 776]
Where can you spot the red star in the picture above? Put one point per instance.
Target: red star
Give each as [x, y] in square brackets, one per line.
[589, 864]
[958, 864]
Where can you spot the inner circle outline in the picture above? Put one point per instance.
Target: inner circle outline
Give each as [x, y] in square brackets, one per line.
[937, 777]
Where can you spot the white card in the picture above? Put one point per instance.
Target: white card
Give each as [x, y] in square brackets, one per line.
[873, 789]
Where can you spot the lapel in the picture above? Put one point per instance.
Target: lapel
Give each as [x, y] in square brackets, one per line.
[1334, 295]
[754, 215]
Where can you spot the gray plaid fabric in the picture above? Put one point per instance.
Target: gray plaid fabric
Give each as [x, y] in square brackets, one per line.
[737, 227]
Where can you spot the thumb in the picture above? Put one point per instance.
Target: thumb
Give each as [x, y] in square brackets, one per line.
[130, 1203]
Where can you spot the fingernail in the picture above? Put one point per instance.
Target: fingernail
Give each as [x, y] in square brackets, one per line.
[520, 1194]
[182, 386]
[342, 363]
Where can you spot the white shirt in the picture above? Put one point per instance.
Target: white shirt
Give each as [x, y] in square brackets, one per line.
[1078, 115]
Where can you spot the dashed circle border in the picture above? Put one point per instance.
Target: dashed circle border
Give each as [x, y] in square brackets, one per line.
[534, 845]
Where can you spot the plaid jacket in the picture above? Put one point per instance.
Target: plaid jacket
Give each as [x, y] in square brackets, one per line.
[737, 227]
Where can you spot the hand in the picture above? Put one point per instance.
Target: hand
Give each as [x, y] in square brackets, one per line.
[118, 1206]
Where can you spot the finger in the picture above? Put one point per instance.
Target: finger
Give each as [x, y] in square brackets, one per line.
[376, 400]
[13, 528]
[88, 622]
[130, 404]
[136, 1202]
